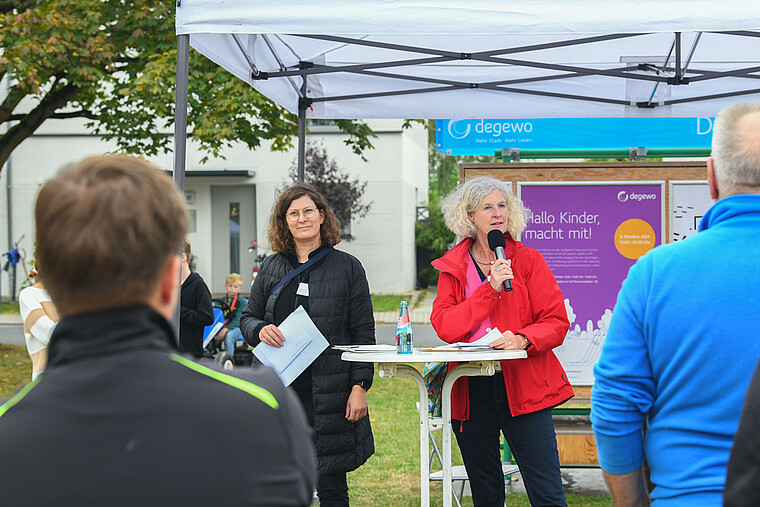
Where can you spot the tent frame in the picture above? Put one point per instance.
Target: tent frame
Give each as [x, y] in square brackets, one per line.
[675, 73]
[674, 70]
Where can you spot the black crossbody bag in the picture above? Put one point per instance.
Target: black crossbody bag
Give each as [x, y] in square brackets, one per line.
[300, 269]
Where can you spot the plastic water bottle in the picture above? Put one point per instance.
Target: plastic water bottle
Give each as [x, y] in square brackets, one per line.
[404, 330]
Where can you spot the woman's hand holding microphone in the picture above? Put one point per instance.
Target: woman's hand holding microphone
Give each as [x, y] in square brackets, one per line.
[501, 270]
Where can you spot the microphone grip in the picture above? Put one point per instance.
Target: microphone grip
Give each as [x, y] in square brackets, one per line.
[506, 284]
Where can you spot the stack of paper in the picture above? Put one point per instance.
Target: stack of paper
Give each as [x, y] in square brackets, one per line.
[303, 344]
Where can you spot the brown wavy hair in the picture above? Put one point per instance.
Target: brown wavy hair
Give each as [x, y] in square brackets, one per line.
[278, 234]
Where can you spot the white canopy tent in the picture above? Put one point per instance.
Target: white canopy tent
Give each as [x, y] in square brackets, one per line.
[477, 59]
[497, 59]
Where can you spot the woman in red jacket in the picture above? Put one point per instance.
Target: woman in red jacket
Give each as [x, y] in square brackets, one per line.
[518, 400]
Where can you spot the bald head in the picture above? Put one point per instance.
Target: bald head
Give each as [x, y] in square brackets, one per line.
[736, 149]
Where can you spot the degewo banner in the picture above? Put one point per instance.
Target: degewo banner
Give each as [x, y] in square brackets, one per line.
[484, 136]
[590, 235]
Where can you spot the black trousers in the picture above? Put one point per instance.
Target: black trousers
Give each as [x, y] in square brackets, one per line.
[531, 439]
[332, 488]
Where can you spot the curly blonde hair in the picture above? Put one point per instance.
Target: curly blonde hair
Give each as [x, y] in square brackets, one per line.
[459, 206]
[278, 233]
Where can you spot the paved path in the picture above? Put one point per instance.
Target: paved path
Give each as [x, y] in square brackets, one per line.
[11, 334]
[10, 319]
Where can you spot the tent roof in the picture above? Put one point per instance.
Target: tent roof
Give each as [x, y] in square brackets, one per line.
[485, 59]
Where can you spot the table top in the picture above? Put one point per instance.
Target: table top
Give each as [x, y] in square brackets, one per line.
[425, 356]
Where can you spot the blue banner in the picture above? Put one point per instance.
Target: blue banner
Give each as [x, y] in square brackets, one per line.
[483, 137]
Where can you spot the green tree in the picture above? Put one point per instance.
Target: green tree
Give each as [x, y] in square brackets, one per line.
[113, 62]
[432, 236]
[443, 170]
[343, 194]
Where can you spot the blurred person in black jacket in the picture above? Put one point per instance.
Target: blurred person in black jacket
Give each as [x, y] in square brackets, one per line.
[743, 473]
[118, 417]
[196, 310]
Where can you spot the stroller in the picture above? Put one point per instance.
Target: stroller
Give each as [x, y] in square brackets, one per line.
[211, 348]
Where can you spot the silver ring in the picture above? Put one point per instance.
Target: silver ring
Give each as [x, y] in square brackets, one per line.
[509, 343]
[497, 268]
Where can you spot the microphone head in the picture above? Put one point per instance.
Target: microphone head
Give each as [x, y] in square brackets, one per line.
[496, 238]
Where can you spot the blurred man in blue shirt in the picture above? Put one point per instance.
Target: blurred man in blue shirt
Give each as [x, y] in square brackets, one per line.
[683, 341]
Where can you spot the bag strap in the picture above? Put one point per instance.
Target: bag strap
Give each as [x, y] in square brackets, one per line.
[232, 310]
[300, 269]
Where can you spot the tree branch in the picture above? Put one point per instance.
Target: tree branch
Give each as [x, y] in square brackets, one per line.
[54, 100]
[15, 95]
[19, 5]
[83, 113]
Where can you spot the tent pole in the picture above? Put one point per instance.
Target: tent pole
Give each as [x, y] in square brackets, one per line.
[180, 131]
[180, 111]
[302, 105]
[678, 58]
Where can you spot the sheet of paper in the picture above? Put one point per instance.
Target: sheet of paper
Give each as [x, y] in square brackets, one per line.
[303, 344]
[365, 348]
[481, 343]
[491, 336]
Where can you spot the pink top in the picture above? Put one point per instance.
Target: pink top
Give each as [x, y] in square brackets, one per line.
[471, 283]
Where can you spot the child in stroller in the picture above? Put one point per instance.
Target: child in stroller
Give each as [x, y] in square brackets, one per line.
[226, 326]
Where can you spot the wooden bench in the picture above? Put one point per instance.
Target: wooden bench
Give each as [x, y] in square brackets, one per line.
[575, 439]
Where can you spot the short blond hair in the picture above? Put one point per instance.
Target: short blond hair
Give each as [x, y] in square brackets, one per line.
[735, 149]
[233, 278]
[106, 230]
[459, 206]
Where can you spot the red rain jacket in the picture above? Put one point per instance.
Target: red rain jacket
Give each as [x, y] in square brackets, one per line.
[534, 308]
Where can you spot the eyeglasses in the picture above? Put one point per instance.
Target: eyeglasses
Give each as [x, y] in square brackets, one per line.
[308, 213]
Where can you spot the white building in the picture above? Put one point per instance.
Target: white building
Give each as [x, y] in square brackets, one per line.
[396, 172]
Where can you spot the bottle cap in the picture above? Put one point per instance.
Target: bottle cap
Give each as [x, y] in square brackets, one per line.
[403, 303]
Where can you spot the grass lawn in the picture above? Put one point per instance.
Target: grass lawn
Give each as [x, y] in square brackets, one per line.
[389, 478]
[387, 302]
[15, 368]
[9, 308]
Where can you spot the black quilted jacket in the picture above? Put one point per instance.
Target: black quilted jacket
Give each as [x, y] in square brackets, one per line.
[341, 308]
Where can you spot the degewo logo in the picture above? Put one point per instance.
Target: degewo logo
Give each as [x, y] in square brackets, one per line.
[489, 128]
[624, 196]
[454, 133]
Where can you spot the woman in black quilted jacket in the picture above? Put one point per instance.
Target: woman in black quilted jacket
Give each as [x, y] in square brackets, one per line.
[335, 293]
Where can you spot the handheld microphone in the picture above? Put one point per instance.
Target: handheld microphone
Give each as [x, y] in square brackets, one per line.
[496, 243]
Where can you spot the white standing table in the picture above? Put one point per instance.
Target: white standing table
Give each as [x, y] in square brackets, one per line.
[391, 364]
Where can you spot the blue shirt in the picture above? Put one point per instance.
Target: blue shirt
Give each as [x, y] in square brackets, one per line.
[680, 350]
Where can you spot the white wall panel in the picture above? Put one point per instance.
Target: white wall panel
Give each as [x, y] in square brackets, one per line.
[396, 171]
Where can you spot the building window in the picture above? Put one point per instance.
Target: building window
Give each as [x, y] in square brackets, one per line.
[345, 229]
[234, 237]
[193, 227]
[330, 123]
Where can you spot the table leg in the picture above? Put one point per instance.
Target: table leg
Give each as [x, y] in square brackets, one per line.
[390, 370]
[462, 370]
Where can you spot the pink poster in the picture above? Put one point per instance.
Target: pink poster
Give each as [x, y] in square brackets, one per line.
[590, 235]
